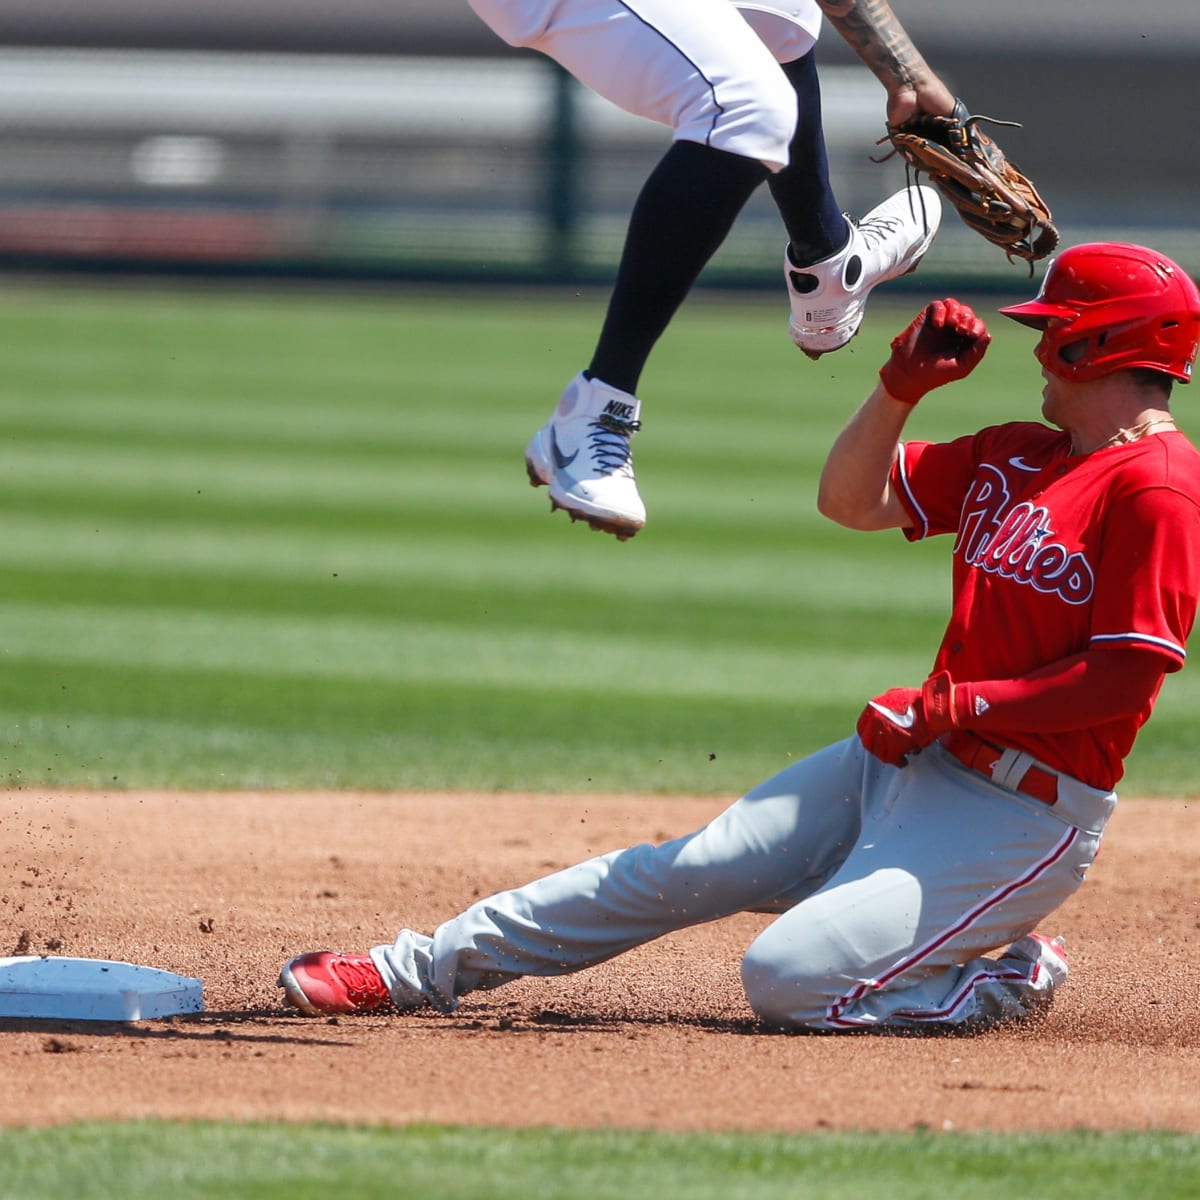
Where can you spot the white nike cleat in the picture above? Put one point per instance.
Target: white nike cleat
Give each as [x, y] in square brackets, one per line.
[583, 455]
[829, 298]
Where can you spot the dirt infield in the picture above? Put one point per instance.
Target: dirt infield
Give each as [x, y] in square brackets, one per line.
[225, 887]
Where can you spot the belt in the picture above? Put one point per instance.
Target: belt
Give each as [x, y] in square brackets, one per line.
[983, 756]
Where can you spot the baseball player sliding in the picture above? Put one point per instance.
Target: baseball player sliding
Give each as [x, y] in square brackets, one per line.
[736, 82]
[911, 863]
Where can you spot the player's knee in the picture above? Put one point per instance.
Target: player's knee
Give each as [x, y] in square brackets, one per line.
[765, 121]
[781, 994]
[778, 109]
[754, 117]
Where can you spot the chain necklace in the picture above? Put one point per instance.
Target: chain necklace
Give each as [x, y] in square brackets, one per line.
[1123, 436]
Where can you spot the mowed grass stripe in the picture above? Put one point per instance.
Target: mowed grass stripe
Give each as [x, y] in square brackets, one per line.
[423, 653]
[375, 474]
[394, 494]
[427, 502]
[133, 727]
[492, 560]
[317, 455]
[188, 1161]
[319, 443]
[272, 415]
[750, 621]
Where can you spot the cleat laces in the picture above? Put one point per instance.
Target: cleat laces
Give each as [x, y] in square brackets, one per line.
[877, 230]
[608, 441]
[360, 979]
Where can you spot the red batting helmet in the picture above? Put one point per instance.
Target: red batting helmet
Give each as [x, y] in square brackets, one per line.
[1118, 306]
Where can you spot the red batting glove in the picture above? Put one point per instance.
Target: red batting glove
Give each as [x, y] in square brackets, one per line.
[945, 704]
[944, 343]
[893, 726]
[904, 721]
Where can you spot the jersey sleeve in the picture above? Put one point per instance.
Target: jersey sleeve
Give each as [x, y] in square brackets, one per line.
[931, 479]
[1149, 575]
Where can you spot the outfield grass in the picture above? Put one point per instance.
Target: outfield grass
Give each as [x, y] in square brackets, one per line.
[286, 541]
[141, 1160]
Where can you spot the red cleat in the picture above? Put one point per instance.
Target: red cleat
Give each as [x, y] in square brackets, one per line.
[322, 982]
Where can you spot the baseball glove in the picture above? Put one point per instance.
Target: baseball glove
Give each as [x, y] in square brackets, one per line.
[990, 193]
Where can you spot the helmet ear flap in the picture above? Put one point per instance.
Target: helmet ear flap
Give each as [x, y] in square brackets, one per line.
[1074, 352]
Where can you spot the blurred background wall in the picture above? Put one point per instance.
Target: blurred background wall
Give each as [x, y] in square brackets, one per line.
[403, 140]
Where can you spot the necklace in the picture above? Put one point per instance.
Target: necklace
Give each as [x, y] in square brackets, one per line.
[1123, 436]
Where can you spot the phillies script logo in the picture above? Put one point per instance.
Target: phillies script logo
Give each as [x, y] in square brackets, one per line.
[1013, 540]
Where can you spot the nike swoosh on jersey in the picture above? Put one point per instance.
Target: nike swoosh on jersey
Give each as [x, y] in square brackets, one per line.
[1021, 465]
[904, 720]
[560, 459]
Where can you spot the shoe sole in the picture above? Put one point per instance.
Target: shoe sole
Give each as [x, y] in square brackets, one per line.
[816, 354]
[540, 476]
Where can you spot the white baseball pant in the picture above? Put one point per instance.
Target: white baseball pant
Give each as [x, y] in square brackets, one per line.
[708, 69]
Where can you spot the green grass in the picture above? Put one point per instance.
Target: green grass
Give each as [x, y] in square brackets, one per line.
[188, 1162]
[286, 541]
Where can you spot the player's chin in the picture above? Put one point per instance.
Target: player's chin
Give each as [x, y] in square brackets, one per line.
[1049, 401]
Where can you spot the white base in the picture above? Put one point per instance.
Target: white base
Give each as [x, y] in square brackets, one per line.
[93, 989]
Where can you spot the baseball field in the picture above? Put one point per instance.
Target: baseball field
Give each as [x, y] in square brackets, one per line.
[292, 656]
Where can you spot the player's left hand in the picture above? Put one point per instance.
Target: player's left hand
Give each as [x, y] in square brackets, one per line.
[945, 342]
[925, 95]
[903, 721]
[893, 726]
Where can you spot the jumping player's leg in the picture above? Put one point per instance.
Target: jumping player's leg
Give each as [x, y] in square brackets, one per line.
[682, 215]
[687, 208]
[688, 205]
[776, 845]
[802, 191]
[831, 263]
[701, 69]
[949, 868]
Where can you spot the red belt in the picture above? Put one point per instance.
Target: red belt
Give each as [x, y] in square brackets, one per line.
[981, 755]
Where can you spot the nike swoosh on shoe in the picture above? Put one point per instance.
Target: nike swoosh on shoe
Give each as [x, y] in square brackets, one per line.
[561, 461]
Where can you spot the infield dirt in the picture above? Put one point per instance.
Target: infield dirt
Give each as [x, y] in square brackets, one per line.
[225, 887]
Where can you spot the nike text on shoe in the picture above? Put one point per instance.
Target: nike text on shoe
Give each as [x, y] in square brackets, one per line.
[582, 454]
[829, 298]
[323, 982]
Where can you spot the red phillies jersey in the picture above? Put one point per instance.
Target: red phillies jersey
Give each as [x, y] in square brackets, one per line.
[1060, 553]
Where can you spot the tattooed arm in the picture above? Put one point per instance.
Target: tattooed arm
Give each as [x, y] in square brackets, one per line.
[877, 37]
